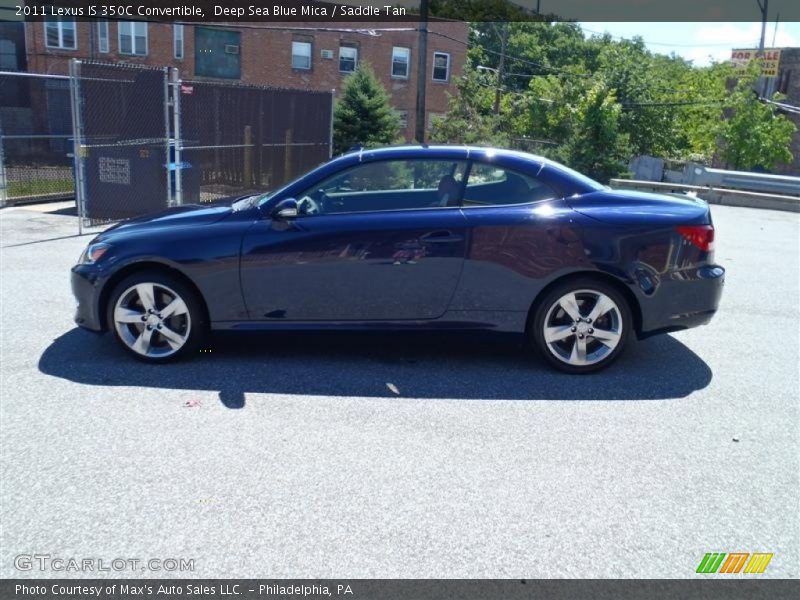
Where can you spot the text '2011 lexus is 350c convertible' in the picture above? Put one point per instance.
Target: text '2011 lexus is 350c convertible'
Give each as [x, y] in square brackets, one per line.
[411, 238]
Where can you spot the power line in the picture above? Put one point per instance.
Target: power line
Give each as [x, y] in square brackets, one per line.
[510, 57]
[637, 105]
[649, 43]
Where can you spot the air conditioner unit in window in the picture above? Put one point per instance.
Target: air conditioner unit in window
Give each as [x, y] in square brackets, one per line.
[327, 54]
[231, 49]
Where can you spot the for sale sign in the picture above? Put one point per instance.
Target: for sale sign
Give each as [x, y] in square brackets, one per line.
[770, 59]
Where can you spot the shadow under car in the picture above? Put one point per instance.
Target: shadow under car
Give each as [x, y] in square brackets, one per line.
[466, 366]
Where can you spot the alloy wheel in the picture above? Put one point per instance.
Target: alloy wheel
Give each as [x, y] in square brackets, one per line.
[152, 320]
[583, 327]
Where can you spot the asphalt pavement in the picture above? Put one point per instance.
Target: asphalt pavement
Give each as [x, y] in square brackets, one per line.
[289, 455]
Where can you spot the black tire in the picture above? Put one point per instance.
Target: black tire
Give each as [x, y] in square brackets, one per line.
[616, 326]
[190, 324]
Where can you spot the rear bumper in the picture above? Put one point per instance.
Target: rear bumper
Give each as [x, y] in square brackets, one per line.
[86, 289]
[682, 300]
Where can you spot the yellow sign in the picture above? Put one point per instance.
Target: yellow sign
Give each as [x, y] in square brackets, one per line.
[770, 60]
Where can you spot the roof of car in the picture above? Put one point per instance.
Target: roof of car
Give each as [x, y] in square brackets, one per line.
[570, 180]
[445, 151]
[410, 150]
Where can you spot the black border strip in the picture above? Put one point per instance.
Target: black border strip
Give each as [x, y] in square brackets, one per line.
[710, 587]
[375, 10]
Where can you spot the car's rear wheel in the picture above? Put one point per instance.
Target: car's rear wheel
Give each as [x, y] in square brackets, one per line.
[581, 325]
[155, 317]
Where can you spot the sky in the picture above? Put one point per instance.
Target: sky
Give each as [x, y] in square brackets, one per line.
[700, 42]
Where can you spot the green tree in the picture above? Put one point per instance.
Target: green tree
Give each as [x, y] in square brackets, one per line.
[753, 134]
[644, 86]
[698, 94]
[597, 147]
[478, 10]
[470, 119]
[595, 102]
[546, 111]
[363, 114]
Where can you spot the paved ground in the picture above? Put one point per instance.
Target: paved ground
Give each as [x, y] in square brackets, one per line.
[300, 462]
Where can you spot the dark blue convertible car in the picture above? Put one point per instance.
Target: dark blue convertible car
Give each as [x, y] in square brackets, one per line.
[418, 237]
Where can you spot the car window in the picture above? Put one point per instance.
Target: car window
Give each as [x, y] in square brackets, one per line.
[490, 185]
[387, 185]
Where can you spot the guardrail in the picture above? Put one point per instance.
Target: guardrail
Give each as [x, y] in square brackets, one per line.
[764, 183]
[714, 195]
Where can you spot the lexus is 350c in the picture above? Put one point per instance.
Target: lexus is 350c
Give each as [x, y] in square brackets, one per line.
[404, 238]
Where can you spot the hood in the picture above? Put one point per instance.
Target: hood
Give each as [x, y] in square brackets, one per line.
[178, 216]
[625, 206]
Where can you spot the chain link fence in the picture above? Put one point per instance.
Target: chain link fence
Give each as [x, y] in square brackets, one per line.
[127, 140]
[241, 139]
[35, 138]
[121, 117]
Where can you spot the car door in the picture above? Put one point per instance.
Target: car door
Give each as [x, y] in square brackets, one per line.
[383, 241]
[517, 238]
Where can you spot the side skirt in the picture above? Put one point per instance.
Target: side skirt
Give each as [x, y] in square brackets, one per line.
[500, 321]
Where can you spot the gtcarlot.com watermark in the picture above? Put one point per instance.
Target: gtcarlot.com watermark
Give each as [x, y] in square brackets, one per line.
[71, 564]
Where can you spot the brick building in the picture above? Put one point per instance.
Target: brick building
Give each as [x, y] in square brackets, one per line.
[788, 83]
[297, 56]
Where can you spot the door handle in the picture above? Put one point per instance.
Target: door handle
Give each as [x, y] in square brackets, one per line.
[441, 237]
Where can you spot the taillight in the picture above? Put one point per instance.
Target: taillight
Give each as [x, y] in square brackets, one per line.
[701, 236]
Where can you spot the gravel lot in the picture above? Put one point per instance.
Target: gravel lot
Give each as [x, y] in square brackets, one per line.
[294, 458]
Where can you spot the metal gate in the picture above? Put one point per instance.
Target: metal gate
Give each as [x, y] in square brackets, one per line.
[121, 124]
[144, 139]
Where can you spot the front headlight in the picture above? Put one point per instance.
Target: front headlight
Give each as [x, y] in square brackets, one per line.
[93, 253]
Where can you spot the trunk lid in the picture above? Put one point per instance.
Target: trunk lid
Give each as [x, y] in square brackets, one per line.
[631, 207]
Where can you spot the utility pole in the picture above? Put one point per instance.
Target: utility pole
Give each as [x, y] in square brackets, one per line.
[501, 68]
[764, 6]
[775, 33]
[422, 71]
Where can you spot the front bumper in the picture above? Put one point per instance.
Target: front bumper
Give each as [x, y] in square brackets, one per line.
[682, 300]
[86, 287]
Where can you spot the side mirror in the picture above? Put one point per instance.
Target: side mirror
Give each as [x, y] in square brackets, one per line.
[285, 209]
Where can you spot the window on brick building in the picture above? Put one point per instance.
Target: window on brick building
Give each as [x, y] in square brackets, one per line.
[102, 37]
[60, 33]
[348, 58]
[441, 66]
[301, 55]
[401, 58]
[177, 41]
[133, 38]
[216, 53]
[8, 56]
[403, 116]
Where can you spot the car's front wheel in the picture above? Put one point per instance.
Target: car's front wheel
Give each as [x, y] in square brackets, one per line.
[581, 325]
[155, 317]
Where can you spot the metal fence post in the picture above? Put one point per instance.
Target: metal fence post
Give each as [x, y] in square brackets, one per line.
[3, 180]
[176, 130]
[77, 140]
[170, 165]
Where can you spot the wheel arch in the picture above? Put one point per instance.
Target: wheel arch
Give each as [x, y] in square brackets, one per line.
[618, 284]
[139, 267]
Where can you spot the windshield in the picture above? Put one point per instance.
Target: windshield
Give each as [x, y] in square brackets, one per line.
[252, 201]
[260, 200]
